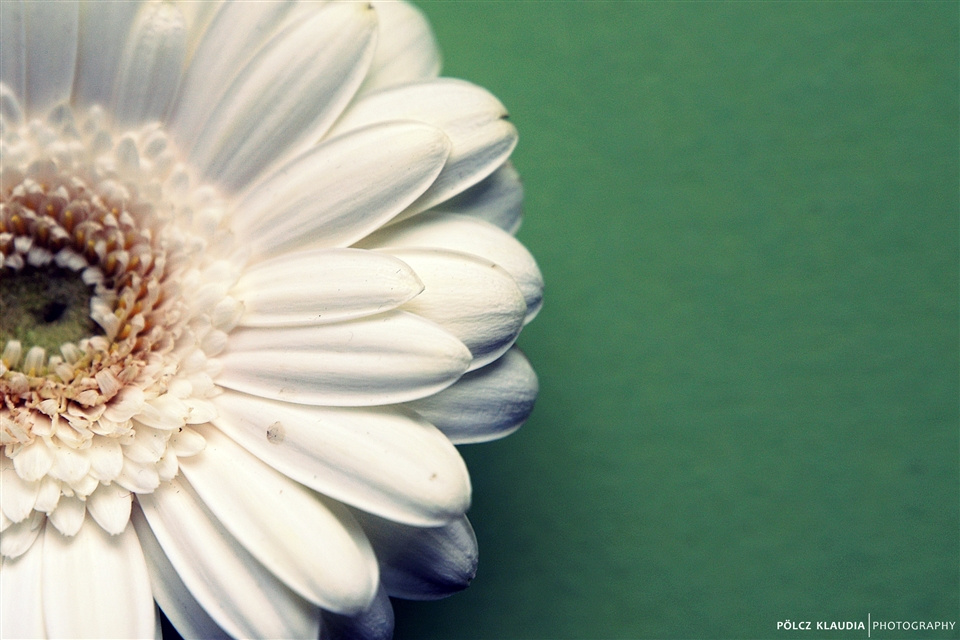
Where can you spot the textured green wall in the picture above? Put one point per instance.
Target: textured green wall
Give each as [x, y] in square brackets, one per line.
[747, 216]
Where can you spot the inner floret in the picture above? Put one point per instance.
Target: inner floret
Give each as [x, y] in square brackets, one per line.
[45, 307]
[105, 343]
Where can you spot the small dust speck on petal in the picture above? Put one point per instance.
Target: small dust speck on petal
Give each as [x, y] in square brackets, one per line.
[276, 433]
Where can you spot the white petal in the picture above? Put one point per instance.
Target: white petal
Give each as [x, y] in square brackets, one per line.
[312, 544]
[199, 16]
[106, 458]
[103, 34]
[151, 65]
[469, 296]
[49, 496]
[51, 52]
[70, 465]
[468, 235]
[178, 604]
[11, 111]
[18, 538]
[21, 605]
[34, 460]
[342, 190]
[470, 116]
[200, 411]
[138, 477]
[187, 442]
[373, 623]
[323, 285]
[168, 466]
[69, 515]
[485, 404]
[237, 592]
[288, 94]
[125, 405]
[18, 495]
[13, 48]
[147, 445]
[383, 359]
[236, 32]
[498, 199]
[423, 563]
[406, 48]
[95, 585]
[164, 412]
[110, 507]
[379, 459]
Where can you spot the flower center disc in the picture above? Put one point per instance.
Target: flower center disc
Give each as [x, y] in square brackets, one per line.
[100, 238]
[45, 307]
[113, 289]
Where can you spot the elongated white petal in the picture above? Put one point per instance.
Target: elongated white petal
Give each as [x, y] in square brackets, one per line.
[471, 297]
[181, 609]
[498, 199]
[486, 404]
[103, 35]
[324, 285]
[147, 445]
[51, 52]
[150, 68]
[312, 544]
[379, 459]
[49, 495]
[236, 32]
[17, 496]
[468, 235]
[406, 48]
[126, 404]
[470, 116]
[383, 359]
[199, 15]
[33, 461]
[288, 94]
[164, 412]
[106, 458]
[138, 477]
[373, 623]
[13, 48]
[110, 507]
[18, 538]
[11, 111]
[187, 442]
[342, 190]
[419, 563]
[70, 465]
[95, 585]
[238, 593]
[21, 595]
[69, 516]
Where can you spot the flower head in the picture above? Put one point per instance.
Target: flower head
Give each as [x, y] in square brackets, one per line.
[258, 278]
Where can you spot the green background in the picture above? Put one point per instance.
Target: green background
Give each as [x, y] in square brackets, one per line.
[747, 217]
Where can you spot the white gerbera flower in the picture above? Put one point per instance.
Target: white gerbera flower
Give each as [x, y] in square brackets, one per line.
[258, 278]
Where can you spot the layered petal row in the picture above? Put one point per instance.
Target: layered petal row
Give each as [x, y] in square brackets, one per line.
[298, 290]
